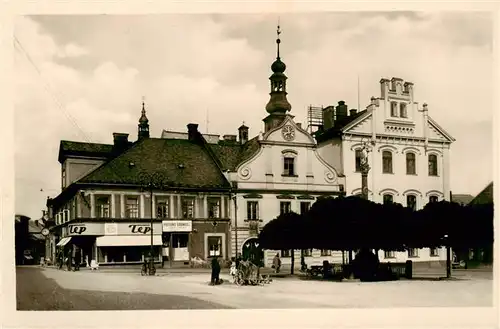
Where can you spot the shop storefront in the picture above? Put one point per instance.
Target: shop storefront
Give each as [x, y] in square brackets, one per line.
[83, 236]
[128, 243]
[176, 240]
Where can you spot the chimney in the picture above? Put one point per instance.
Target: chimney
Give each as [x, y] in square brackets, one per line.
[120, 142]
[328, 120]
[341, 110]
[243, 134]
[192, 131]
[353, 112]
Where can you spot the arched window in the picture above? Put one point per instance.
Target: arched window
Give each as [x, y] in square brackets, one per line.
[433, 165]
[410, 164]
[358, 155]
[387, 162]
[433, 198]
[388, 198]
[411, 202]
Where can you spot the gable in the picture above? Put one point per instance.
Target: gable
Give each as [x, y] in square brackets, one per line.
[288, 128]
[438, 133]
[361, 125]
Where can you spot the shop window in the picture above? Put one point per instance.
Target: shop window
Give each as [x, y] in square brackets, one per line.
[162, 208]
[413, 252]
[102, 205]
[411, 202]
[326, 252]
[134, 254]
[213, 207]
[114, 254]
[285, 207]
[304, 207]
[252, 210]
[187, 207]
[410, 164]
[307, 252]
[388, 198]
[389, 254]
[288, 166]
[214, 246]
[286, 253]
[434, 252]
[387, 162]
[132, 207]
[180, 240]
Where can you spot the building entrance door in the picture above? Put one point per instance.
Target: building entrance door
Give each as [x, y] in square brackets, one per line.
[179, 246]
[252, 251]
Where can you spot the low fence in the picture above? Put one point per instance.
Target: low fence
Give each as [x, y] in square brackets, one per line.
[386, 271]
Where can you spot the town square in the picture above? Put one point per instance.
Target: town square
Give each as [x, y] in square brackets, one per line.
[254, 162]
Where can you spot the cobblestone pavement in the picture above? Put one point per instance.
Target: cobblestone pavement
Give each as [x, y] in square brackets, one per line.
[36, 291]
[470, 289]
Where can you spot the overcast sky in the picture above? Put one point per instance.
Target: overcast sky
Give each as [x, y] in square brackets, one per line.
[81, 78]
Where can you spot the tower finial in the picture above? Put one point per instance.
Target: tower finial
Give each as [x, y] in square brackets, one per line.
[278, 41]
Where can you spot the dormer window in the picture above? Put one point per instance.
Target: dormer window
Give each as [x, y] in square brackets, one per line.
[403, 112]
[394, 109]
[63, 178]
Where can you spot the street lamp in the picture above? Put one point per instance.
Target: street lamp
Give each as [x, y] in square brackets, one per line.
[151, 181]
[448, 256]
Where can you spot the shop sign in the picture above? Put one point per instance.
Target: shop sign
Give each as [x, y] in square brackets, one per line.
[79, 229]
[177, 226]
[131, 228]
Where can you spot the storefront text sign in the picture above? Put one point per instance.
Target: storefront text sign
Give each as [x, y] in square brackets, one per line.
[177, 226]
[131, 228]
[85, 229]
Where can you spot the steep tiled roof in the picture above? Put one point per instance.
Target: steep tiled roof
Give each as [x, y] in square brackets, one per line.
[485, 196]
[181, 163]
[462, 198]
[337, 128]
[231, 155]
[85, 149]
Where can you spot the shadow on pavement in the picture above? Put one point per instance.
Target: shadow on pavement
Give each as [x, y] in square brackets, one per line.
[35, 292]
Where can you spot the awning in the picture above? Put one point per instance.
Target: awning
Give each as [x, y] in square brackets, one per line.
[127, 240]
[63, 242]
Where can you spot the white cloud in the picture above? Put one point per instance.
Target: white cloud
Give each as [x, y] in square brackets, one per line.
[188, 65]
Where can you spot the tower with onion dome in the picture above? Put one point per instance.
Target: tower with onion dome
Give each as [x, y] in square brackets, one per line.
[278, 105]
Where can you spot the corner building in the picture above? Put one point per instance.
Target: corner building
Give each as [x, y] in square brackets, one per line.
[105, 207]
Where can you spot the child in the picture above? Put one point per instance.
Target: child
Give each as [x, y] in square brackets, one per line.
[232, 269]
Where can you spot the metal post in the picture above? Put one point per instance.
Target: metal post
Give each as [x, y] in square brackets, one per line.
[152, 242]
[235, 227]
[170, 260]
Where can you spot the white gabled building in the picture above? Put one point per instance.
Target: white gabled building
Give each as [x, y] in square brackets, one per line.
[409, 156]
[280, 170]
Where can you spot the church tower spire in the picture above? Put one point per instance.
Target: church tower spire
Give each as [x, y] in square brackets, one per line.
[278, 105]
[143, 126]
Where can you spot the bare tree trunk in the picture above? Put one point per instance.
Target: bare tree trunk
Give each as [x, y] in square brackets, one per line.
[293, 261]
[448, 262]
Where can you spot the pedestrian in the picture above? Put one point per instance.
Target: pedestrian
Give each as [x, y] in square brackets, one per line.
[232, 269]
[215, 271]
[277, 263]
[78, 257]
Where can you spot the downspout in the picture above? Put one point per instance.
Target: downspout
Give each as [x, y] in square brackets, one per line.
[235, 226]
